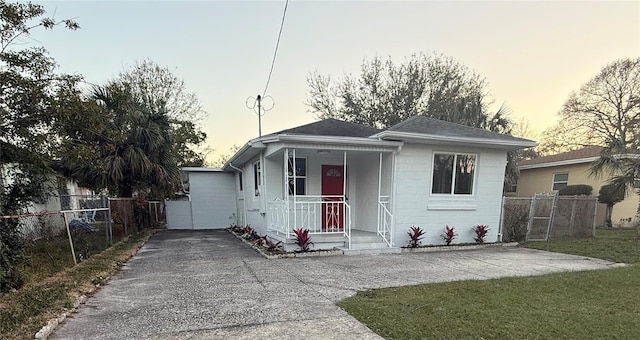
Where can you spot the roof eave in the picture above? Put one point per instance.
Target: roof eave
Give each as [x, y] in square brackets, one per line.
[494, 143]
[337, 140]
[570, 162]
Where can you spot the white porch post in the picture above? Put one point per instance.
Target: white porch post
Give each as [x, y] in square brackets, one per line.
[379, 190]
[285, 188]
[295, 198]
[344, 177]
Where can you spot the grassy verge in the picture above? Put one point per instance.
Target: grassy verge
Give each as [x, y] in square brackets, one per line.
[580, 305]
[24, 312]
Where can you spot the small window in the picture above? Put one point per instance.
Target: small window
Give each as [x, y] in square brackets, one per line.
[560, 181]
[300, 167]
[240, 181]
[453, 174]
[256, 178]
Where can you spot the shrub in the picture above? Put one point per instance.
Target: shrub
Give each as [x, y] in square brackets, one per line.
[11, 254]
[303, 240]
[481, 232]
[273, 247]
[448, 235]
[577, 189]
[248, 233]
[516, 219]
[415, 235]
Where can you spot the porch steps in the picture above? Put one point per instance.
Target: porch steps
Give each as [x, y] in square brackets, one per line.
[371, 251]
[366, 243]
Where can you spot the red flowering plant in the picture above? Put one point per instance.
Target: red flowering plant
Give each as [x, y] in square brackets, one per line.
[448, 235]
[415, 235]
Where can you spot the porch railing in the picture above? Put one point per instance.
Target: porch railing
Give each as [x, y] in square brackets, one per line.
[384, 219]
[278, 218]
[319, 214]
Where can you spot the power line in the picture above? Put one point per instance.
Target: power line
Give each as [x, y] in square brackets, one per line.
[284, 13]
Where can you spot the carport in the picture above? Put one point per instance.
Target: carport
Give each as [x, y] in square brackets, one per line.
[206, 200]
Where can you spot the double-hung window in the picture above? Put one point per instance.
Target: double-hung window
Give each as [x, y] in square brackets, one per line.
[453, 173]
[300, 178]
[560, 181]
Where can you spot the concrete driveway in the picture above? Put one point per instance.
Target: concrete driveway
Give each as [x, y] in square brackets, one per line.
[208, 285]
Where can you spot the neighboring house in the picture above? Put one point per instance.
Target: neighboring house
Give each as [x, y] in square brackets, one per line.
[551, 173]
[59, 186]
[357, 187]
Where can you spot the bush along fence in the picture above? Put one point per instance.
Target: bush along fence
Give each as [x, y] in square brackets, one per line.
[544, 217]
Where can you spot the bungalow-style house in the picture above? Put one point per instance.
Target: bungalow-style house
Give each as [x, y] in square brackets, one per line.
[551, 173]
[356, 187]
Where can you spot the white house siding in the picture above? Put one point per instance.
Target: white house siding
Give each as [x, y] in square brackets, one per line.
[213, 196]
[414, 205]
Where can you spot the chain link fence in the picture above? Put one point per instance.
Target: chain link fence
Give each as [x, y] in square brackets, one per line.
[545, 217]
[84, 226]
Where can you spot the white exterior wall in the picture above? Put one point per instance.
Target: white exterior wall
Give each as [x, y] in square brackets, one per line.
[414, 205]
[255, 205]
[240, 197]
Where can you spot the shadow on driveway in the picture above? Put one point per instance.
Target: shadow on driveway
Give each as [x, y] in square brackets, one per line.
[209, 285]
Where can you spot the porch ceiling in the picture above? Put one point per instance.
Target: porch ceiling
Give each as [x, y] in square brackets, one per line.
[278, 148]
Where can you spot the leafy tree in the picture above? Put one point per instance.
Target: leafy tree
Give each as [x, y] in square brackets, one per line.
[225, 157]
[386, 93]
[118, 143]
[159, 90]
[30, 97]
[610, 195]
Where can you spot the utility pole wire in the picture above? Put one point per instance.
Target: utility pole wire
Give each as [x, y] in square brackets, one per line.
[284, 13]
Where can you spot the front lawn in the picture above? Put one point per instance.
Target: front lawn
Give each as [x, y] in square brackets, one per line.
[580, 305]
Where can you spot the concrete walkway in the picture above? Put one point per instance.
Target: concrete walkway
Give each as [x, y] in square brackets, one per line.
[208, 285]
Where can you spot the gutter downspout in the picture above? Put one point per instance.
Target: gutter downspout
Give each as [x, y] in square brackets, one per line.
[244, 199]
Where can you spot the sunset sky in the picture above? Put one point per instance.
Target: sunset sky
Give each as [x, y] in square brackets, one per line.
[533, 54]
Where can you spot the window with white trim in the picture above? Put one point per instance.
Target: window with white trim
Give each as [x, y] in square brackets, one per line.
[560, 181]
[300, 166]
[453, 173]
[256, 178]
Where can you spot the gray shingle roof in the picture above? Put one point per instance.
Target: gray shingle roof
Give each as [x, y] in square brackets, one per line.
[330, 127]
[436, 127]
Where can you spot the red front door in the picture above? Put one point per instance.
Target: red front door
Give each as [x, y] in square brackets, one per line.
[332, 185]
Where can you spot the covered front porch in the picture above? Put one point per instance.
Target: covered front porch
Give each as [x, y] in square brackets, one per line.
[341, 194]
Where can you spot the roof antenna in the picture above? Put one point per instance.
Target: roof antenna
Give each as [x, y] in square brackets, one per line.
[259, 107]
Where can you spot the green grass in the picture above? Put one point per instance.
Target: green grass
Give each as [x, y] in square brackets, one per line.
[601, 304]
[617, 245]
[24, 312]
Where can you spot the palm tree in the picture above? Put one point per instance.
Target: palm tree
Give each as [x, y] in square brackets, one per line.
[122, 146]
[623, 165]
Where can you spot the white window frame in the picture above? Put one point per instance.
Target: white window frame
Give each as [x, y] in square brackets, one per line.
[554, 182]
[453, 175]
[257, 178]
[294, 177]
